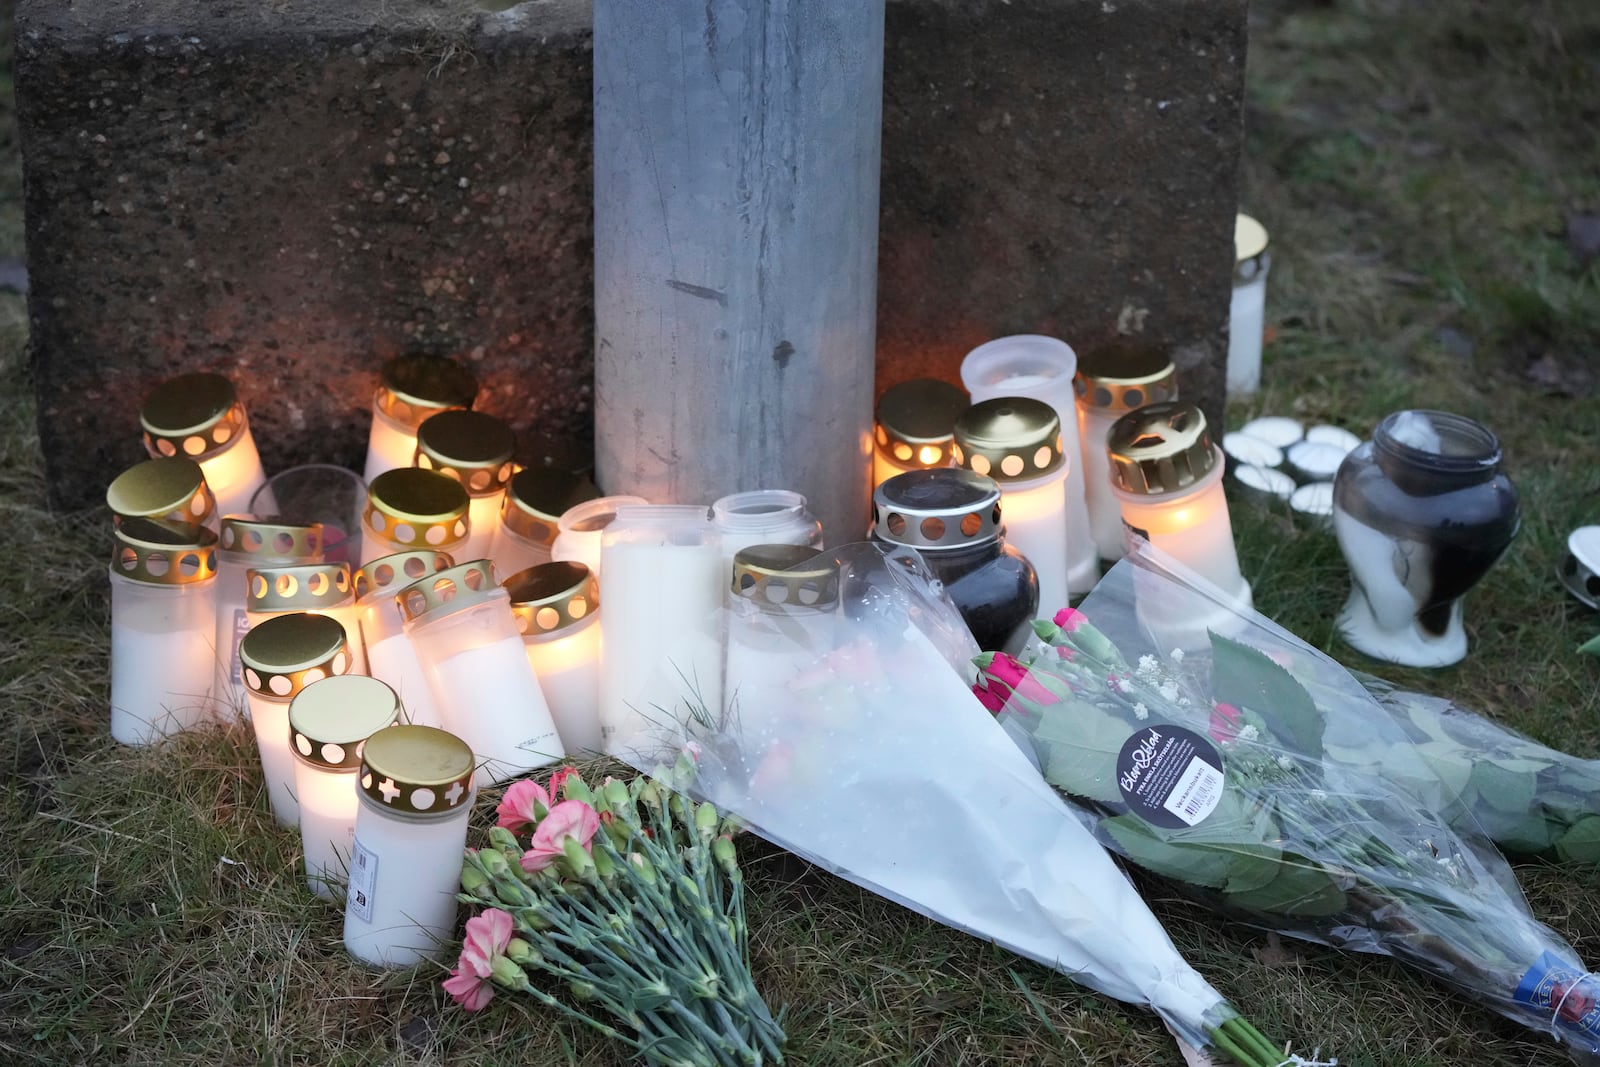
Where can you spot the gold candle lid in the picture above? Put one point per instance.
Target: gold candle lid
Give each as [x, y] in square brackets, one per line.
[454, 587]
[916, 421]
[194, 415]
[284, 654]
[329, 722]
[786, 577]
[417, 770]
[297, 587]
[272, 542]
[164, 553]
[549, 597]
[390, 574]
[169, 488]
[417, 508]
[1011, 438]
[947, 507]
[410, 388]
[471, 447]
[537, 498]
[1249, 249]
[1121, 377]
[1160, 448]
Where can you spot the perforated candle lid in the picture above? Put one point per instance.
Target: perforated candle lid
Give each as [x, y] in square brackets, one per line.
[549, 597]
[417, 508]
[1160, 448]
[946, 507]
[170, 488]
[390, 574]
[916, 421]
[1009, 439]
[417, 770]
[536, 498]
[1121, 377]
[266, 541]
[471, 447]
[164, 553]
[786, 577]
[452, 588]
[330, 722]
[410, 388]
[194, 415]
[284, 654]
[297, 587]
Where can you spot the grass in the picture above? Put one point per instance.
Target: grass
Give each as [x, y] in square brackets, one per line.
[1416, 164]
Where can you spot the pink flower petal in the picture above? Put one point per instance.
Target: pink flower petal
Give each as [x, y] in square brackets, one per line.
[470, 991]
[570, 818]
[516, 808]
[559, 779]
[1069, 619]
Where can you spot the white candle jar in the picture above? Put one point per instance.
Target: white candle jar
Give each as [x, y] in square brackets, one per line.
[914, 427]
[1168, 479]
[405, 863]
[661, 646]
[329, 723]
[170, 490]
[460, 623]
[410, 509]
[281, 656]
[411, 388]
[199, 416]
[390, 657]
[1110, 383]
[580, 528]
[317, 588]
[475, 449]
[1017, 442]
[1247, 316]
[763, 517]
[163, 604]
[247, 543]
[1043, 368]
[530, 513]
[782, 621]
[557, 608]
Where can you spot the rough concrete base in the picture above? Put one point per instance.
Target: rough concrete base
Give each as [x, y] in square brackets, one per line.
[292, 192]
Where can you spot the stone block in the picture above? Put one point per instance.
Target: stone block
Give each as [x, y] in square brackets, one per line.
[290, 193]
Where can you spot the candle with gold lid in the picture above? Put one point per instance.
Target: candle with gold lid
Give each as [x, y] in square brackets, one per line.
[405, 863]
[390, 657]
[557, 608]
[1247, 315]
[329, 723]
[411, 388]
[163, 590]
[530, 514]
[475, 449]
[1111, 382]
[281, 656]
[168, 489]
[781, 621]
[914, 426]
[1017, 442]
[200, 417]
[582, 526]
[411, 508]
[245, 543]
[318, 588]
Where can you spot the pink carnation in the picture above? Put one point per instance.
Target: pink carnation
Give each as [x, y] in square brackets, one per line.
[521, 805]
[486, 940]
[570, 818]
[1069, 619]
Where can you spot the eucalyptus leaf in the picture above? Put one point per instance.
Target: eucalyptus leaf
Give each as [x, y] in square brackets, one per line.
[1581, 842]
[1201, 864]
[1503, 790]
[1300, 888]
[1246, 677]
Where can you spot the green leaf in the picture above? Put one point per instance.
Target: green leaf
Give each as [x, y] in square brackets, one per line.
[1230, 849]
[1080, 746]
[1449, 762]
[1527, 835]
[1503, 790]
[1581, 842]
[1591, 646]
[1517, 766]
[1136, 839]
[1246, 677]
[1301, 888]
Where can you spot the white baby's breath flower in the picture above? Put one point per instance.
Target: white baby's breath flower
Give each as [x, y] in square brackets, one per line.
[1177, 655]
[1141, 712]
[1148, 667]
[1168, 691]
[1248, 732]
[1286, 763]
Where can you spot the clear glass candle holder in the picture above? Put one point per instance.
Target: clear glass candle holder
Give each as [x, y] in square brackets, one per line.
[330, 496]
[557, 608]
[200, 417]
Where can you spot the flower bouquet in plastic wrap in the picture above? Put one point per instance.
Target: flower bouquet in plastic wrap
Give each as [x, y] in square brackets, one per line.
[1202, 743]
[843, 696]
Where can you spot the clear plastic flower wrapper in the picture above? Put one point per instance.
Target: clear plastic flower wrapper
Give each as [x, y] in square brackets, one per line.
[875, 714]
[1204, 743]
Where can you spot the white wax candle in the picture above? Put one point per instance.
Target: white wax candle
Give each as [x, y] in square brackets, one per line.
[328, 802]
[1246, 326]
[270, 719]
[394, 662]
[1193, 527]
[583, 525]
[511, 553]
[234, 474]
[1035, 517]
[766, 652]
[232, 623]
[389, 445]
[1105, 514]
[404, 875]
[162, 664]
[567, 664]
[483, 515]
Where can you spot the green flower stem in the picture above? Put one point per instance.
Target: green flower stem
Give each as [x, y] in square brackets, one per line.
[1224, 1041]
[1247, 1036]
[603, 1027]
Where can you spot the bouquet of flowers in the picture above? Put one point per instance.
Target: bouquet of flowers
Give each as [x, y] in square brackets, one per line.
[629, 895]
[1169, 721]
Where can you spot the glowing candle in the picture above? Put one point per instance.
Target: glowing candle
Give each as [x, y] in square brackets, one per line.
[281, 656]
[405, 862]
[581, 527]
[168, 490]
[163, 602]
[763, 517]
[530, 513]
[390, 657]
[914, 425]
[1017, 442]
[199, 416]
[329, 723]
[1247, 317]
[460, 623]
[781, 623]
[1110, 383]
[411, 508]
[1043, 368]
[318, 588]
[411, 388]
[475, 449]
[557, 608]
[247, 543]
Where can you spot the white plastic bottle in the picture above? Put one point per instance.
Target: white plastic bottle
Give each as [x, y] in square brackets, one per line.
[390, 657]
[411, 388]
[581, 527]
[200, 416]
[557, 608]
[475, 449]
[247, 543]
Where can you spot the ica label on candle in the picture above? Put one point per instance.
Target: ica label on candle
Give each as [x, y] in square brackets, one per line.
[363, 882]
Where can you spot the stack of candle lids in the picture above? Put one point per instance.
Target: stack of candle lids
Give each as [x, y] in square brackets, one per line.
[1277, 458]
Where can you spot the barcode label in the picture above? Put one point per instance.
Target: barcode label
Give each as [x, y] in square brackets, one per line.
[1196, 793]
[241, 626]
[363, 882]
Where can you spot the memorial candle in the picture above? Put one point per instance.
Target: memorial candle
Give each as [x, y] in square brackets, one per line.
[530, 512]
[168, 489]
[390, 657]
[410, 508]
[247, 543]
[199, 416]
[1111, 382]
[557, 608]
[580, 528]
[318, 588]
[1247, 315]
[410, 389]
[914, 426]
[475, 449]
